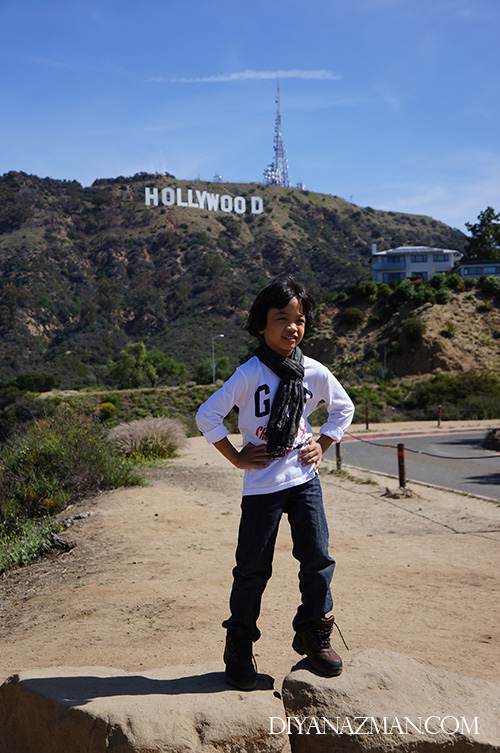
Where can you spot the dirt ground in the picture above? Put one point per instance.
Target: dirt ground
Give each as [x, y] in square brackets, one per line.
[147, 582]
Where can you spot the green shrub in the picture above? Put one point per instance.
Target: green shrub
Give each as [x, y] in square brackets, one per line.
[353, 316]
[438, 281]
[442, 295]
[455, 282]
[24, 541]
[107, 411]
[56, 460]
[449, 329]
[368, 289]
[413, 328]
[474, 395]
[425, 294]
[383, 292]
[485, 307]
[203, 373]
[149, 438]
[470, 282]
[402, 293]
[490, 285]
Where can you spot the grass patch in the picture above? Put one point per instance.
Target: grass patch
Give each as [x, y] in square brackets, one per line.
[149, 438]
[23, 542]
[55, 461]
[345, 475]
[63, 458]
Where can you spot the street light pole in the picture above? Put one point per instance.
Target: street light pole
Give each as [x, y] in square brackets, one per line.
[213, 357]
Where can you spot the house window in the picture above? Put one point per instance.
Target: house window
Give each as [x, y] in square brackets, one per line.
[439, 257]
[421, 275]
[393, 276]
[392, 262]
[491, 270]
[472, 271]
[419, 257]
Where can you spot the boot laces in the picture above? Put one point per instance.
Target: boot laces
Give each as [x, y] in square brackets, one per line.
[323, 636]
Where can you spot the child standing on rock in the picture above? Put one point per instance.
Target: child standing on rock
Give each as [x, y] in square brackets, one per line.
[275, 392]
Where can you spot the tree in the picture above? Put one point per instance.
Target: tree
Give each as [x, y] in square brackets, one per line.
[203, 372]
[165, 368]
[485, 236]
[132, 366]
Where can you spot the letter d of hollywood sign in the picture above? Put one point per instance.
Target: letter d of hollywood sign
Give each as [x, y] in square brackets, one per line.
[214, 202]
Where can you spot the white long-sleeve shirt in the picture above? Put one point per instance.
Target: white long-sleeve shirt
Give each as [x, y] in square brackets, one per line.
[252, 388]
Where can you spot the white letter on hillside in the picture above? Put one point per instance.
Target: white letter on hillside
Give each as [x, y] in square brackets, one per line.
[226, 203]
[201, 196]
[257, 205]
[240, 205]
[213, 201]
[192, 203]
[151, 196]
[168, 197]
[180, 203]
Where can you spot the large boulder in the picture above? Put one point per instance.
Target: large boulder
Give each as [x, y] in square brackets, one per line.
[183, 709]
[384, 702]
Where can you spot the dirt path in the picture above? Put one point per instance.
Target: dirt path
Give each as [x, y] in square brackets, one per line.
[148, 580]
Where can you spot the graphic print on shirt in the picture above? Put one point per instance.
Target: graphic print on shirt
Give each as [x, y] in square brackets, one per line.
[263, 408]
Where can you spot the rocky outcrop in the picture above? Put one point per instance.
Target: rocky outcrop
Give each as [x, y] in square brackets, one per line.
[183, 709]
[387, 702]
[383, 702]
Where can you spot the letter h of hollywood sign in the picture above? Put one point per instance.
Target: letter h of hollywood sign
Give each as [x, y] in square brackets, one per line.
[214, 202]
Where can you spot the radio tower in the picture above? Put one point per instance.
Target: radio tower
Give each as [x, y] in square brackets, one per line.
[276, 174]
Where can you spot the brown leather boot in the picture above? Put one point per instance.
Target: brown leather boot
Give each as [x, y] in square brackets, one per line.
[315, 643]
[241, 669]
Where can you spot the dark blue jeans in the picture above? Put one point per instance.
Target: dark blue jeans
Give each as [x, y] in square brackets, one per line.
[260, 519]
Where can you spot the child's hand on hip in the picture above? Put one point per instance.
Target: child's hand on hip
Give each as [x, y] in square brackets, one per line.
[253, 456]
[311, 453]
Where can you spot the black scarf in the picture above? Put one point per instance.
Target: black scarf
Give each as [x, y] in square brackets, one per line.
[288, 403]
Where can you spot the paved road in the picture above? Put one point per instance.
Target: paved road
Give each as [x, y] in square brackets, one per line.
[466, 465]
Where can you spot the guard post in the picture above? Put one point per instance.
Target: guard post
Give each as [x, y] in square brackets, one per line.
[401, 466]
[338, 455]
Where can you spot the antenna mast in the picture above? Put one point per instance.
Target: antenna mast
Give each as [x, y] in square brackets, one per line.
[276, 174]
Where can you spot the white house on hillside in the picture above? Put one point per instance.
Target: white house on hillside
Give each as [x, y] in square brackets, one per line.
[412, 261]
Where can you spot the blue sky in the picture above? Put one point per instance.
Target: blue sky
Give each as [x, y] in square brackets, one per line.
[393, 104]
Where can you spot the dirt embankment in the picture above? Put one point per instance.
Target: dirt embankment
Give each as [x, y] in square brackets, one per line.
[147, 583]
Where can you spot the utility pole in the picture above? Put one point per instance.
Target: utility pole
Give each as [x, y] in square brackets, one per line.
[213, 356]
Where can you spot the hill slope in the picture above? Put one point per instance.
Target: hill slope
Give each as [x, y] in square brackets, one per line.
[83, 271]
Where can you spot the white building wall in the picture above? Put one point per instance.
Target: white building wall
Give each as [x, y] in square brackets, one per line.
[410, 261]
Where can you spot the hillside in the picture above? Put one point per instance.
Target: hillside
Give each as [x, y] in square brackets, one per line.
[409, 338]
[84, 271]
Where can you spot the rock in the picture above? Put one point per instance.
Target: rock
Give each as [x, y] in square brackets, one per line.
[183, 709]
[385, 701]
[492, 440]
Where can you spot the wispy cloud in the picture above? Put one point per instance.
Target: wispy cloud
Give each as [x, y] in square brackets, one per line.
[251, 75]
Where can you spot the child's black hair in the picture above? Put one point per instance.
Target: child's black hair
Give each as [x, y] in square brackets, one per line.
[278, 295]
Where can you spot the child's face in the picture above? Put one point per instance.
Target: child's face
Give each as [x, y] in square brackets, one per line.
[285, 327]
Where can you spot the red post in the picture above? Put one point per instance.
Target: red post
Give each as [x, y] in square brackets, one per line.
[367, 418]
[401, 466]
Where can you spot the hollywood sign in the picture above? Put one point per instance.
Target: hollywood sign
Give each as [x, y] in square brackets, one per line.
[196, 199]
